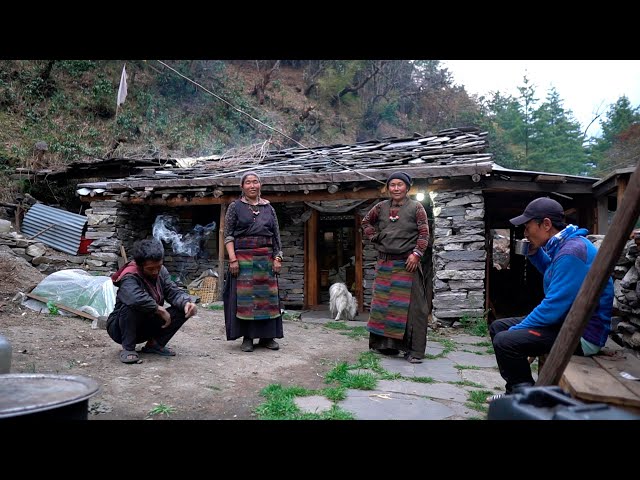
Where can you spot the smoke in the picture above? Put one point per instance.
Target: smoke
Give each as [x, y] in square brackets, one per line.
[165, 228]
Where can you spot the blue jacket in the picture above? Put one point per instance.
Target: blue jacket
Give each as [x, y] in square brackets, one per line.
[564, 273]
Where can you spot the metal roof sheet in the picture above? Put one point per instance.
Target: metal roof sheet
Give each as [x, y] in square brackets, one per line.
[54, 227]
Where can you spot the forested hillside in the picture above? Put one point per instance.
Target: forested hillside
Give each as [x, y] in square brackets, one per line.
[56, 111]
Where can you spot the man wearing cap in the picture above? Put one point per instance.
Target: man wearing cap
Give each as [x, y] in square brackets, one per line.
[563, 255]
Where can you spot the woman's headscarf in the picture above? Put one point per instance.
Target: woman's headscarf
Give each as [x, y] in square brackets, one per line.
[246, 175]
[400, 176]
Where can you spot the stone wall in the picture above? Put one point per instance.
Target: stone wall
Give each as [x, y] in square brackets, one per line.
[113, 224]
[459, 254]
[626, 325]
[369, 260]
[291, 279]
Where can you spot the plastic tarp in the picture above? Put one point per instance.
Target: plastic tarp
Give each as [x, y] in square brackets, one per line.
[78, 289]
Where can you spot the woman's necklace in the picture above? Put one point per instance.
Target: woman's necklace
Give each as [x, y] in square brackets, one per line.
[255, 209]
[393, 213]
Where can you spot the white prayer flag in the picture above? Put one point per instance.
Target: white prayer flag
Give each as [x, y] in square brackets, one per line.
[122, 91]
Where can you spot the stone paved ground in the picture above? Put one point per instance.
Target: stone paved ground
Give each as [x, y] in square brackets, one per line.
[440, 388]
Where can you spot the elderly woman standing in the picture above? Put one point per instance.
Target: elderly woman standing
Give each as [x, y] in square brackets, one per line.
[399, 229]
[252, 240]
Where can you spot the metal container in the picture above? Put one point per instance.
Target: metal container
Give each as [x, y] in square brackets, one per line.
[522, 247]
[25, 396]
[5, 355]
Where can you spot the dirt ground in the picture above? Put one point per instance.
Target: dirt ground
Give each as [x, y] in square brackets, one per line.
[210, 378]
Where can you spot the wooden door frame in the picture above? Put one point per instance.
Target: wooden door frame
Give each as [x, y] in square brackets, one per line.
[311, 290]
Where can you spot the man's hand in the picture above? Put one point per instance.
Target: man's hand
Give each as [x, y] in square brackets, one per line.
[190, 309]
[277, 265]
[164, 315]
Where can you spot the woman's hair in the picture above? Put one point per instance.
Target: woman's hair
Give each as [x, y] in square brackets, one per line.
[246, 175]
[400, 176]
[148, 249]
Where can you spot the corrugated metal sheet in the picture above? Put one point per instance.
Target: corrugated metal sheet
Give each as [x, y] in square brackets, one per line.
[64, 228]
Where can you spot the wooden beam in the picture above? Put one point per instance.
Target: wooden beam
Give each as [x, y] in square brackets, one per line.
[311, 283]
[359, 266]
[273, 198]
[361, 175]
[511, 186]
[593, 285]
[621, 184]
[61, 306]
[602, 214]
[221, 249]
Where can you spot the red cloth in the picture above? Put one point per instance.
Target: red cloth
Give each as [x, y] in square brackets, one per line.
[132, 268]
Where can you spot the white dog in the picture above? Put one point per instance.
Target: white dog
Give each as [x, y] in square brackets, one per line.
[341, 303]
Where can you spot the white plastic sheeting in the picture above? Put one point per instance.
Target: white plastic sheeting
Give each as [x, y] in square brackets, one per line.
[77, 289]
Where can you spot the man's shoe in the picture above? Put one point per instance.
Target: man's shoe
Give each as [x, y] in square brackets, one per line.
[247, 345]
[269, 343]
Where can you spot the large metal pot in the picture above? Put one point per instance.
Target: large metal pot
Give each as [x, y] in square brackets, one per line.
[33, 396]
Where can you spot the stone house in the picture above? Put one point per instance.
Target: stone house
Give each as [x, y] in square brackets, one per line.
[321, 194]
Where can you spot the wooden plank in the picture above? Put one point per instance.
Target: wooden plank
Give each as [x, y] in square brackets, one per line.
[61, 306]
[586, 380]
[593, 285]
[42, 231]
[615, 365]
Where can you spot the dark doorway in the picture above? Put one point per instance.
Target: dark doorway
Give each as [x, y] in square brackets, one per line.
[336, 252]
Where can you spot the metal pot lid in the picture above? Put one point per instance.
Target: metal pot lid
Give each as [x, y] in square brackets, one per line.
[23, 393]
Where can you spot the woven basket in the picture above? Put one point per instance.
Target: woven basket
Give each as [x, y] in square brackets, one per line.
[209, 291]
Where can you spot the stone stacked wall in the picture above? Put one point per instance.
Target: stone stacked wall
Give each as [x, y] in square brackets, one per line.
[626, 323]
[459, 254]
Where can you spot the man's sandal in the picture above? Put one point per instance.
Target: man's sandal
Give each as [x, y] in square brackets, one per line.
[129, 356]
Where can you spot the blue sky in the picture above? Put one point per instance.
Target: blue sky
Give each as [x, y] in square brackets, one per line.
[587, 87]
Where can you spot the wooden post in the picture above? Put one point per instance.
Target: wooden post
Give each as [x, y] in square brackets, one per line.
[589, 295]
[221, 249]
[311, 288]
[602, 210]
[18, 216]
[359, 264]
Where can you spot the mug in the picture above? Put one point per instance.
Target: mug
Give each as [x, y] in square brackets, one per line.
[522, 247]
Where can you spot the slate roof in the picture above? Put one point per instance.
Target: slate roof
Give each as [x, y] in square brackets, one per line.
[423, 156]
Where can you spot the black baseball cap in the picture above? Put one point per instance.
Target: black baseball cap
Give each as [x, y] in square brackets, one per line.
[540, 208]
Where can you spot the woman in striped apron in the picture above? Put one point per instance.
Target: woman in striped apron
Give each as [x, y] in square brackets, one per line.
[399, 229]
[250, 295]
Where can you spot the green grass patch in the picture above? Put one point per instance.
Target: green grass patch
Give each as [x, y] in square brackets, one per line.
[280, 405]
[421, 379]
[467, 383]
[215, 307]
[478, 400]
[341, 375]
[353, 332]
[161, 409]
[466, 367]
[477, 326]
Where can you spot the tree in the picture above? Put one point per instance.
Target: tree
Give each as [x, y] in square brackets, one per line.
[621, 116]
[556, 139]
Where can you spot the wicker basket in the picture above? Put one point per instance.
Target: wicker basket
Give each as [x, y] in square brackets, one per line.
[208, 292]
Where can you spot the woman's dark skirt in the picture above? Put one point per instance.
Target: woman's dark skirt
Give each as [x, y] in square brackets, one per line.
[235, 327]
[414, 341]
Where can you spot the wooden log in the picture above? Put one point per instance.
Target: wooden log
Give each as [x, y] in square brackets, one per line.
[61, 306]
[593, 285]
[42, 231]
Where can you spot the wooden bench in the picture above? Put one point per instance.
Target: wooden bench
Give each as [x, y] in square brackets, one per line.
[597, 379]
